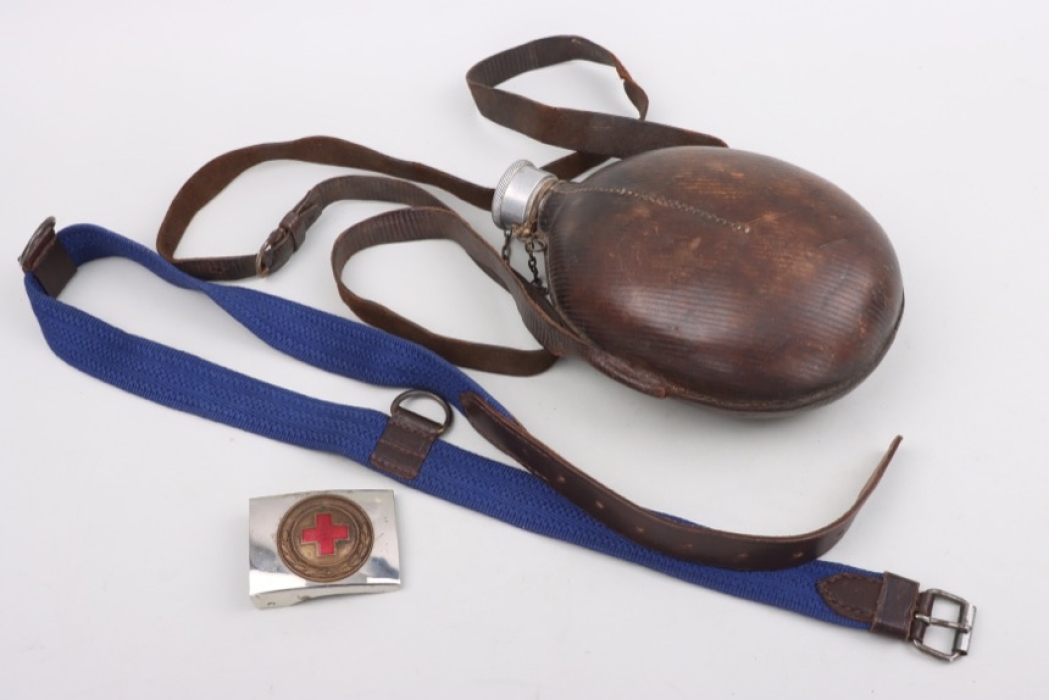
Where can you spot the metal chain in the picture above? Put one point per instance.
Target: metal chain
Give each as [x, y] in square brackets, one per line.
[532, 245]
[509, 237]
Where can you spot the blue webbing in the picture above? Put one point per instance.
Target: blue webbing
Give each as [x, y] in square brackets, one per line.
[186, 382]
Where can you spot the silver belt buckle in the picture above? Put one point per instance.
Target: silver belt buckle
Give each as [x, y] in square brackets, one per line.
[961, 626]
[321, 543]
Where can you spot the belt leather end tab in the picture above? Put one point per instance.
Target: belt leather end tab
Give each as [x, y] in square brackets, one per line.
[886, 603]
[895, 606]
[48, 259]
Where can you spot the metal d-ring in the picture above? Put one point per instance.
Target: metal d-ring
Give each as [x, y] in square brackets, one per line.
[423, 394]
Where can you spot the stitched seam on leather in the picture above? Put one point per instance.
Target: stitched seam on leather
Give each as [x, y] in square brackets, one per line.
[669, 203]
[404, 450]
[415, 431]
[394, 468]
[824, 588]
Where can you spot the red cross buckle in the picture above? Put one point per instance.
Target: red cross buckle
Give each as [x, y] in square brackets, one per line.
[315, 544]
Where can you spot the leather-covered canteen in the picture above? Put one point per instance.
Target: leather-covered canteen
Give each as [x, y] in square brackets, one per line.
[686, 269]
[716, 275]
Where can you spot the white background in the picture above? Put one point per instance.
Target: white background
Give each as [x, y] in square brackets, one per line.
[123, 524]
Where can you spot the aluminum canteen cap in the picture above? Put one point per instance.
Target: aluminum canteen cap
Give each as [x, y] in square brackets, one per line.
[518, 192]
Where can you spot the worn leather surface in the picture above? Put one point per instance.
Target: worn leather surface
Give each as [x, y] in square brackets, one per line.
[895, 610]
[607, 135]
[887, 603]
[673, 537]
[541, 318]
[48, 260]
[745, 282]
[217, 174]
[404, 444]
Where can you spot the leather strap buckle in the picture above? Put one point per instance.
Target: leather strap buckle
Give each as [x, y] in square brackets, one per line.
[962, 625]
[274, 252]
[287, 237]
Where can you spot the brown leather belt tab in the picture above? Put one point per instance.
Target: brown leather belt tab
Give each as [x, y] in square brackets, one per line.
[408, 437]
[894, 606]
[47, 259]
[887, 603]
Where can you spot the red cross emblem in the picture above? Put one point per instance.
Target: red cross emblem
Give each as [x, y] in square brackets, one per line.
[325, 535]
[324, 538]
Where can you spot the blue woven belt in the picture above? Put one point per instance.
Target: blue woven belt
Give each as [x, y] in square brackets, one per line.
[823, 590]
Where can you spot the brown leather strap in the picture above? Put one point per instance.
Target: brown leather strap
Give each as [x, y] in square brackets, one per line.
[291, 233]
[595, 137]
[539, 316]
[588, 132]
[672, 537]
[213, 177]
[420, 223]
[887, 603]
[584, 131]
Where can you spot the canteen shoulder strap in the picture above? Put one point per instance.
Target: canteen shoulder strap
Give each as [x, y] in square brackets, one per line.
[594, 137]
